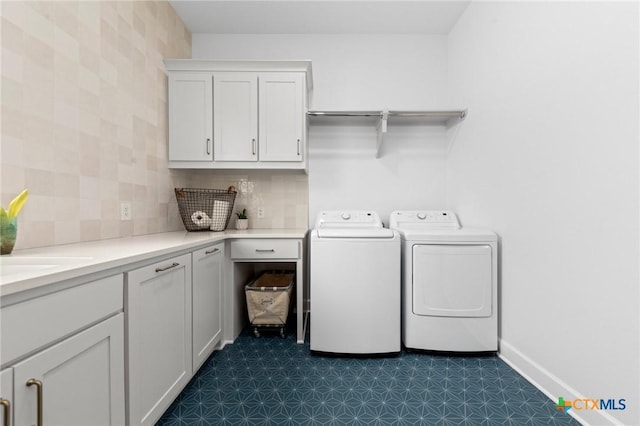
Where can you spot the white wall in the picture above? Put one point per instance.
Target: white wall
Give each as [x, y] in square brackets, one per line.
[369, 72]
[548, 158]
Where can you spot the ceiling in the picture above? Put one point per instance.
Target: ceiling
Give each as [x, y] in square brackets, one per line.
[319, 16]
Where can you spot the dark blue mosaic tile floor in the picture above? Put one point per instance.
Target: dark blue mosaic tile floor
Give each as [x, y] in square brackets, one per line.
[274, 381]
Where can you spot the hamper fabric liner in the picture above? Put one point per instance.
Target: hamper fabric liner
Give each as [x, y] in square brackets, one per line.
[268, 298]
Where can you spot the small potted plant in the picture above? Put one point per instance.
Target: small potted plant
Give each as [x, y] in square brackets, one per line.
[242, 222]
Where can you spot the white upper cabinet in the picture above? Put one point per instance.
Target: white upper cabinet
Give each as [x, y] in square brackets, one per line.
[235, 122]
[251, 116]
[282, 127]
[190, 117]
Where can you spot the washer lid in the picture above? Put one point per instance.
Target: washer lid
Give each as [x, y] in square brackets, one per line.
[348, 219]
[355, 233]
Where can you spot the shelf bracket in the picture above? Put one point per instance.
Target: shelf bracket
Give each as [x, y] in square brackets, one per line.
[382, 129]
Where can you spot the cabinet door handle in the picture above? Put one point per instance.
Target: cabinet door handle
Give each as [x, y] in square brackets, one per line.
[265, 251]
[166, 268]
[38, 385]
[6, 408]
[253, 146]
[215, 250]
[208, 146]
[298, 146]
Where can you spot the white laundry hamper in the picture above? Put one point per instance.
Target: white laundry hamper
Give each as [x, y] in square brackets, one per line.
[269, 300]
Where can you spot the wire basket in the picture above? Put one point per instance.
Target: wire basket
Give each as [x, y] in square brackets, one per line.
[205, 209]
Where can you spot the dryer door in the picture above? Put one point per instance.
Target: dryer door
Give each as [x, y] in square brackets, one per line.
[452, 280]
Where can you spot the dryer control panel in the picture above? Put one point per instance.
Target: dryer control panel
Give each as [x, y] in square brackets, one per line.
[348, 218]
[433, 219]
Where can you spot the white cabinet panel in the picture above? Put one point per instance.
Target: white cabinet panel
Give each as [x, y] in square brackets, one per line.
[6, 396]
[265, 249]
[32, 324]
[159, 341]
[207, 295]
[190, 117]
[261, 250]
[82, 379]
[282, 116]
[235, 107]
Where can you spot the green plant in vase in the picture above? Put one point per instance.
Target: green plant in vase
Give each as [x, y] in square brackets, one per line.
[9, 222]
[243, 220]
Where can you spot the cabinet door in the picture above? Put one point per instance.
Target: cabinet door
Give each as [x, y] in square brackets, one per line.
[190, 117]
[82, 379]
[235, 122]
[207, 315]
[282, 116]
[159, 324]
[6, 394]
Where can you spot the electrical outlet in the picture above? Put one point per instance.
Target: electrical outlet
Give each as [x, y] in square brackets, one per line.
[260, 212]
[125, 210]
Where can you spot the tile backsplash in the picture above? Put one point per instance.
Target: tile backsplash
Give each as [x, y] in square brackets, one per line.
[84, 126]
[84, 116]
[281, 195]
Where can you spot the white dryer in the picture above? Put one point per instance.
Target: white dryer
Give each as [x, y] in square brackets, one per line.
[449, 283]
[354, 284]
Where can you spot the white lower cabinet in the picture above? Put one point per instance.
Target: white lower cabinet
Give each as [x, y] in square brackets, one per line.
[63, 357]
[6, 397]
[261, 252]
[79, 381]
[159, 340]
[207, 294]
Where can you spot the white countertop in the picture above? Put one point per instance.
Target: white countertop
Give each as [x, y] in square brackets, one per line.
[32, 268]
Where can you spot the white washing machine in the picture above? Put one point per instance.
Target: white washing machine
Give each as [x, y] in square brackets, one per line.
[354, 284]
[449, 283]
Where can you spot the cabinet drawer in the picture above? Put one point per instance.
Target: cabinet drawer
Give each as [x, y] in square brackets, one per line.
[265, 249]
[34, 323]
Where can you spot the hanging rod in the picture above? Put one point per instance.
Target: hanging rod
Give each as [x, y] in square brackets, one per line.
[444, 114]
[345, 113]
[461, 114]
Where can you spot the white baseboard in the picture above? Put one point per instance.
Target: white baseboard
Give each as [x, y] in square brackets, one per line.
[552, 386]
[224, 343]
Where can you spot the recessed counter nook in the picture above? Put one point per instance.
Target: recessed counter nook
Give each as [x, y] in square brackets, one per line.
[134, 317]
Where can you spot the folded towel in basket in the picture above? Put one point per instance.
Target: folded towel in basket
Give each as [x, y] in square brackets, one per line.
[219, 216]
[201, 218]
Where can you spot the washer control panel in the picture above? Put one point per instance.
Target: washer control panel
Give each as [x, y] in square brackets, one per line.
[348, 218]
[441, 219]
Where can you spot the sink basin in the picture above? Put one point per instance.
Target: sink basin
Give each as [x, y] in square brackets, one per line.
[21, 269]
[10, 265]
[34, 260]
